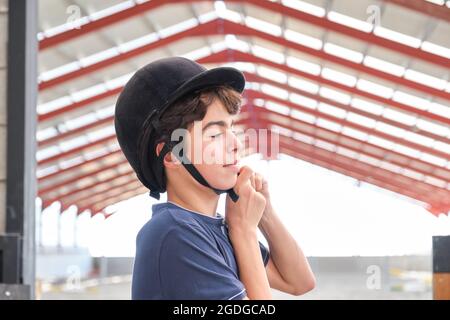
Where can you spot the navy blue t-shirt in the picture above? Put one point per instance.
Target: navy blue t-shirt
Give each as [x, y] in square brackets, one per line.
[181, 254]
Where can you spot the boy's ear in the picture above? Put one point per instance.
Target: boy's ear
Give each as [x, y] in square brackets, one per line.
[170, 161]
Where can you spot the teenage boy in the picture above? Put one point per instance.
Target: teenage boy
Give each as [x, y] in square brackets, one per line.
[171, 111]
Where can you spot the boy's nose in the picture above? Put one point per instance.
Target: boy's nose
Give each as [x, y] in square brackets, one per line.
[234, 144]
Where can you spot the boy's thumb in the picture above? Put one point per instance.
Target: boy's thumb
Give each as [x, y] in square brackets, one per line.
[244, 176]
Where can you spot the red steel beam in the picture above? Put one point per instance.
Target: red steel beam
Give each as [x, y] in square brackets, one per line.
[240, 56]
[67, 199]
[328, 117]
[362, 150]
[361, 176]
[256, 78]
[196, 31]
[419, 187]
[77, 150]
[238, 29]
[275, 7]
[102, 206]
[300, 150]
[219, 26]
[97, 207]
[259, 95]
[71, 193]
[387, 155]
[371, 176]
[404, 189]
[82, 194]
[433, 168]
[343, 122]
[76, 131]
[371, 38]
[436, 211]
[103, 22]
[106, 194]
[130, 194]
[102, 196]
[251, 77]
[84, 197]
[78, 165]
[75, 178]
[352, 167]
[246, 57]
[410, 193]
[318, 137]
[425, 7]
[76, 105]
[120, 195]
[65, 204]
[287, 150]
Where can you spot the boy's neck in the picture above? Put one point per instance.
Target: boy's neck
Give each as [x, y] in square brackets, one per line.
[201, 202]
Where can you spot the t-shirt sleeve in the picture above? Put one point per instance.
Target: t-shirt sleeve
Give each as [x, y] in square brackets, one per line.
[191, 267]
[264, 253]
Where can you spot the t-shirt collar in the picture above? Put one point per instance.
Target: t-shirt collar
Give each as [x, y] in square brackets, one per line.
[218, 219]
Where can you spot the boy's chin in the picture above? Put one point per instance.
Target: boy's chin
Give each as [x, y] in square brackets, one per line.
[226, 183]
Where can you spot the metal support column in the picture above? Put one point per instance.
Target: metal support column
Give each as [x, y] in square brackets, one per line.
[17, 246]
[441, 267]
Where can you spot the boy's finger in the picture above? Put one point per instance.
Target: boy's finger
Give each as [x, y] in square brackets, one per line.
[244, 175]
[258, 182]
[252, 179]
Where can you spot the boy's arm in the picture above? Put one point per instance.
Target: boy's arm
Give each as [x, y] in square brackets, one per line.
[251, 267]
[288, 269]
[243, 218]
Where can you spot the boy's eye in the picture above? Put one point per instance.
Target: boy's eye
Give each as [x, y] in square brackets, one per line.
[215, 135]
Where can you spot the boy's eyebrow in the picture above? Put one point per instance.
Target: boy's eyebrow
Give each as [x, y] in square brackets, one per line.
[220, 123]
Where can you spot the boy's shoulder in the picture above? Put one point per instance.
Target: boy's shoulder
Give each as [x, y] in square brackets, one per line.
[167, 218]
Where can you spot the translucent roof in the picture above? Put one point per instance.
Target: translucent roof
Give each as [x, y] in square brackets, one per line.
[351, 88]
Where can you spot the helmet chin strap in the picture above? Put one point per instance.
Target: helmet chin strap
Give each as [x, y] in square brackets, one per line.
[193, 172]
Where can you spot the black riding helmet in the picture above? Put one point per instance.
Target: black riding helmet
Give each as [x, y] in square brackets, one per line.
[149, 92]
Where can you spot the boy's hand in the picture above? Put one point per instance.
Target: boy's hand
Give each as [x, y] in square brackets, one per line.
[262, 186]
[245, 214]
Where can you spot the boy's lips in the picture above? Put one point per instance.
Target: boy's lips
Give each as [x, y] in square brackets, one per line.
[233, 166]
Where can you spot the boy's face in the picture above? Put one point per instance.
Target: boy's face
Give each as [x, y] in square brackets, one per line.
[214, 148]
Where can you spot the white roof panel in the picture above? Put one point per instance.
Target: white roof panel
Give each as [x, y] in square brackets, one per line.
[394, 18]
[166, 20]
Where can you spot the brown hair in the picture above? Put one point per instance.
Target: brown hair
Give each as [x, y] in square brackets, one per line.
[192, 108]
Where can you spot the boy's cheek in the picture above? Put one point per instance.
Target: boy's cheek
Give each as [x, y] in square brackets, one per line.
[213, 153]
